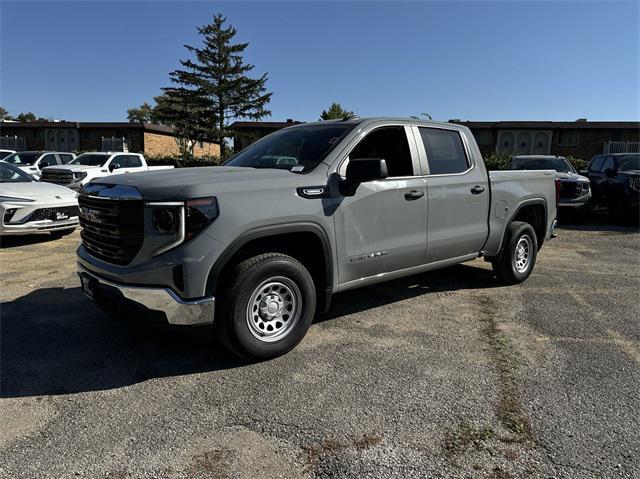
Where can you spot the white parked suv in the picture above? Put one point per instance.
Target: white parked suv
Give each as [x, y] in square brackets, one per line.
[29, 206]
[91, 166]
[33, 162]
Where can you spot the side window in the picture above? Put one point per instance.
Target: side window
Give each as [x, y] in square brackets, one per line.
[65, 158]
[48, 160]
[608, 164]
[445, 151]
[129, 161]
[596, 163]
[388, 143]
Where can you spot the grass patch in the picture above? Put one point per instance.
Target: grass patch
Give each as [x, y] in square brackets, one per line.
[465, 437]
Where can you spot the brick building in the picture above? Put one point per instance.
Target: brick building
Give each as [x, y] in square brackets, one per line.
[580, 139]
[151, 140]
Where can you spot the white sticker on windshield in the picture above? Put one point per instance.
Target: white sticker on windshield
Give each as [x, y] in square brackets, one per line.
[298, 168]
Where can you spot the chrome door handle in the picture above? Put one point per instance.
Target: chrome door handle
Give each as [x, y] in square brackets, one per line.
[476, 190]
[413, 195]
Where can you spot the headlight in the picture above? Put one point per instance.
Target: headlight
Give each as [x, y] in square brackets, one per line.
[634, 183]
[79, 175]
[182, 220]
[14, 199]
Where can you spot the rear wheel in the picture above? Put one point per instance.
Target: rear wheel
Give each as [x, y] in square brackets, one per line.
[61, 233]
[518, 256]
[268, 306]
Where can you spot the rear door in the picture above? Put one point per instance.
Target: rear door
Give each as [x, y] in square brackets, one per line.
[382, 227]
[458, 192]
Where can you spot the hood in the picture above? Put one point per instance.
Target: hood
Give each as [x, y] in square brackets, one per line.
[70, 168]
[201, 182]
[571, 177]
[34, 190]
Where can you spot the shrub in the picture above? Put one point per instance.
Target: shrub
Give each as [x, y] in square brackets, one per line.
[183, 162]
[497, 161]
[578, 163]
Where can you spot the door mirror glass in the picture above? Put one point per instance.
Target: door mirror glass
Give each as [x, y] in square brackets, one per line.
[362, 170]
[114, 166]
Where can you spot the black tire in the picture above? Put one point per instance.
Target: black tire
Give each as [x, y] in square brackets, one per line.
[61, 233]
[504, 266]
[241, 294]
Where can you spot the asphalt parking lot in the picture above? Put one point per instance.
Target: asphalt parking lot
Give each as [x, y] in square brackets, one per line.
[446, 374]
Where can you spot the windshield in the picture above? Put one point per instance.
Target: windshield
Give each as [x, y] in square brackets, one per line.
[4, 154]
[559, 164]
[11, 174]
[629, 163]
[297, 149]
[24, 158]
[89, 159]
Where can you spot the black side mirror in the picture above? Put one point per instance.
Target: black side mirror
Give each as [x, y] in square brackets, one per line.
[610, 172]
[361, 170]
[114, 166]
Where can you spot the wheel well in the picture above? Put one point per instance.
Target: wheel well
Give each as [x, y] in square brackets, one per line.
[305, 246]
[536, 216]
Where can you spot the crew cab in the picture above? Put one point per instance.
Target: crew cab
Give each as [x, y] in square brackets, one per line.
[256, 247]
[91, 166]
[32, 162]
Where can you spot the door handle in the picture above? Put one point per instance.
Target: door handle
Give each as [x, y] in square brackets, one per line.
[476, 190]
[413, 195]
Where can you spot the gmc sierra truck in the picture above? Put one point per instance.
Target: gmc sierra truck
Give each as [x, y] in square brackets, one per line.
[88, 167]
[256, 247]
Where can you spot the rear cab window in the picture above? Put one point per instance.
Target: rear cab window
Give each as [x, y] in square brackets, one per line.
[445, 151]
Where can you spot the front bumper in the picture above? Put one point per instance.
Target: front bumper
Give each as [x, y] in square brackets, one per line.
[158, 303]
[42, 226]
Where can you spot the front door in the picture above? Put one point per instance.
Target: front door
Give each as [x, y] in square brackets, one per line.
[458, 191]
[383, 226]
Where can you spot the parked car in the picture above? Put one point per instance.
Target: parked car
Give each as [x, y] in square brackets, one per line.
[33, 162]
[5, 153]
[91, 166]
[265, 240]
[615, 179]
[29, 206]
[575, 190]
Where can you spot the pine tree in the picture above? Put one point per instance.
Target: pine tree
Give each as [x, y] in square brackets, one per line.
[143, 114]
[335, 112]
[214, 87]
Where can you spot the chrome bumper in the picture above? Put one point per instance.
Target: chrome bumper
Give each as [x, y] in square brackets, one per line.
[176, 310]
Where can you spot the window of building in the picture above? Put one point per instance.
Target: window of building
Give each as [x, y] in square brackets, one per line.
[568, 137]
[445, 151]
[390, 144]
[86, 135]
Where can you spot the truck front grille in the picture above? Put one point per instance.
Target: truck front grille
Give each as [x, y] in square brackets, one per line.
[57, 177]
[112, 230]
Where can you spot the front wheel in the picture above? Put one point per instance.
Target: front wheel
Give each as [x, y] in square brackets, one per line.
[518, 257]
[268, 306]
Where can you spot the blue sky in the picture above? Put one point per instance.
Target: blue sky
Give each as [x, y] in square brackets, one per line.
[90, 61]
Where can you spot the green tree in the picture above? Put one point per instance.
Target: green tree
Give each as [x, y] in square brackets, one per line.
[214, 86]
[335, 112]
[4, 114]
[142, 114]
[29, 116]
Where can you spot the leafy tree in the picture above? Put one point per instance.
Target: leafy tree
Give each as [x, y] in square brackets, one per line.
[143, 114]
[214, 87]
[4, 114]
[335, 112]
[29, 116]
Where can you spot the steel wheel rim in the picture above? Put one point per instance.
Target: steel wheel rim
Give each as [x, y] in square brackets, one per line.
[522, 254]
[274, 309]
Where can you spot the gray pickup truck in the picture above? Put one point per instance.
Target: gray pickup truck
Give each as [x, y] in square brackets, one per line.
[256, 247]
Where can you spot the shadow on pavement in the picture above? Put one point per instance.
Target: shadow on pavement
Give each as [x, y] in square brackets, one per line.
[25, 240]
[55, 341]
